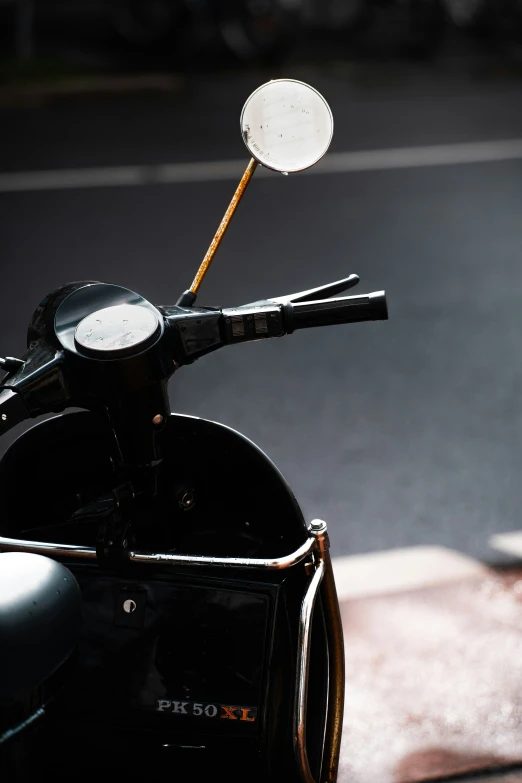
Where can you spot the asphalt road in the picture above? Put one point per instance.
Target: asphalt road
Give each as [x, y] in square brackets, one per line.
[399, 433]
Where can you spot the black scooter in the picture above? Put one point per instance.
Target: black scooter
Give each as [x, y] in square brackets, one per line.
[190, 627]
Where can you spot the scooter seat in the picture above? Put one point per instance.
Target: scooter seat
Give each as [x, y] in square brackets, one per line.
[40, 613]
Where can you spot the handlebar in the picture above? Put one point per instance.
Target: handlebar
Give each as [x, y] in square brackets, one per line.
[57, 373]
[274, 318]
[327, 312]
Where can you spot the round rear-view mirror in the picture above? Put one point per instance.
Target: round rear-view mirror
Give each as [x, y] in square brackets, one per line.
[286, 125]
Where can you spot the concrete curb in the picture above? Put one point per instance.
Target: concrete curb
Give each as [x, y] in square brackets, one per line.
[397, 570]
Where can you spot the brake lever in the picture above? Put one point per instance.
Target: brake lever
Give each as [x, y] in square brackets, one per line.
[11, 364]
[322, 292]
[33, 386]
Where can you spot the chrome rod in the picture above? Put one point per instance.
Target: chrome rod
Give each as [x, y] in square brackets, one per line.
[275, 563]
[46, 548]
[336, 673]
[336, 677]
[66, 550]
[303, 666]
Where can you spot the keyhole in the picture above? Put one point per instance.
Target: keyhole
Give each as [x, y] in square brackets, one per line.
[129, 606]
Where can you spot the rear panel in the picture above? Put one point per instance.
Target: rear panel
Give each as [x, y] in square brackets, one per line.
[187, 673]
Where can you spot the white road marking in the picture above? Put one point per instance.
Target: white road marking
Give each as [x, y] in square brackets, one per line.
[334, 163]
[395, 570]
[511, 543]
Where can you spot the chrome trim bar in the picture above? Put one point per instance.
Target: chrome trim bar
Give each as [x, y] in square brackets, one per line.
[45, 548]
[65, 550]
[275, 563]
[303, 666]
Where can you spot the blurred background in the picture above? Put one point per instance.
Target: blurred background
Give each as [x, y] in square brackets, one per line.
[120, 150]
[398, 434]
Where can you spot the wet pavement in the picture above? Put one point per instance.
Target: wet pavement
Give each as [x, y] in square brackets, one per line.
[400, 433]
[433, 682]
[397, 434]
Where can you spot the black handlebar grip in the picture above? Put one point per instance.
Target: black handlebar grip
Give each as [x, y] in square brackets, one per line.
[345, 310]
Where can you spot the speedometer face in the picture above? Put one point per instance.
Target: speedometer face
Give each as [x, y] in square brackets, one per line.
[116, 328]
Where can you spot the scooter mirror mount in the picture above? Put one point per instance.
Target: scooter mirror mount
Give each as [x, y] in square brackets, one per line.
[287, 126]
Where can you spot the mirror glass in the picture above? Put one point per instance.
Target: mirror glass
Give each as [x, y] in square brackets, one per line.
[286, 125]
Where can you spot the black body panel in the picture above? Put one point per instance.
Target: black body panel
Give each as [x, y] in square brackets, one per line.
[200, 638]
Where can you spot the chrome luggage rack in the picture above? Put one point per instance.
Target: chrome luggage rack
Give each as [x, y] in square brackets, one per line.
[319, 564]
[87, 553]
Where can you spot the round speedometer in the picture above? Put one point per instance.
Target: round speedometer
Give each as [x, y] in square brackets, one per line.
[115, 329]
